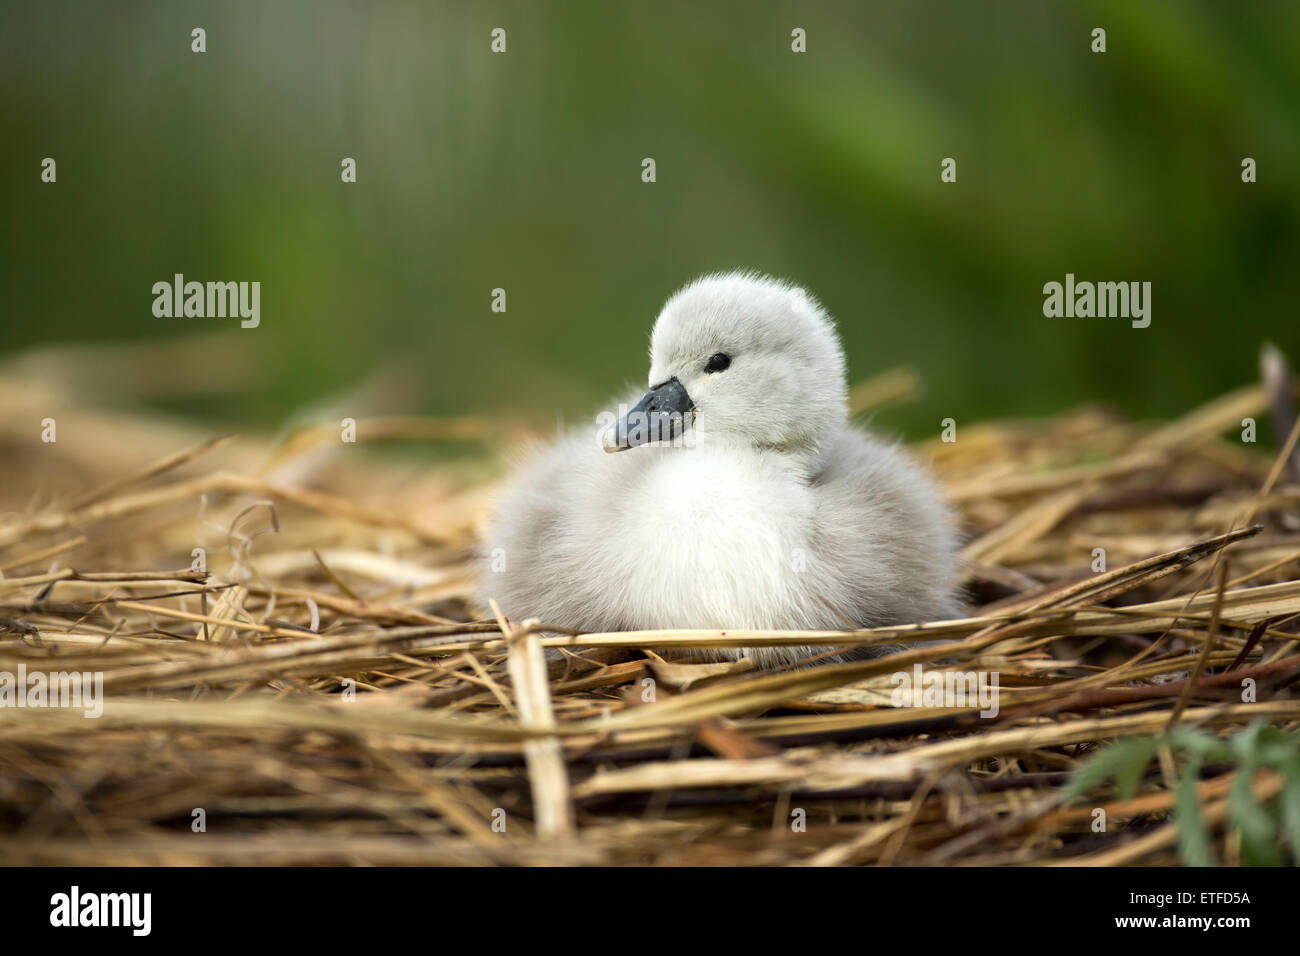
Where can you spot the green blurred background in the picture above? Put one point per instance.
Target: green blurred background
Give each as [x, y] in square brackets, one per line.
[522, 171]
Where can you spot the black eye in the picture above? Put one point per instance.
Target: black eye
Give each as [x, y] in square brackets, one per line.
[720, 362]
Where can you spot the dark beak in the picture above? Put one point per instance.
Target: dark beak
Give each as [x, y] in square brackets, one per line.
[662, 415]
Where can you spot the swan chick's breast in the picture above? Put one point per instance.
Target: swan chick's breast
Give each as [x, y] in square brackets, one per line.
[704, 538]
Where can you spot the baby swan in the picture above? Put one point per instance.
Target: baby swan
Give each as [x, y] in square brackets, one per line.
[742, 497]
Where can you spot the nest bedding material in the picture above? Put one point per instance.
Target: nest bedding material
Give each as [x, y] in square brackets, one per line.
[294, 670]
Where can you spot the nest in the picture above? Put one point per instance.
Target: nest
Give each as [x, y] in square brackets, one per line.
[294, 670]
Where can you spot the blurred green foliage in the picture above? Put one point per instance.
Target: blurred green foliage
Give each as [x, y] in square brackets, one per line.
[1263, 828]
[522, 171]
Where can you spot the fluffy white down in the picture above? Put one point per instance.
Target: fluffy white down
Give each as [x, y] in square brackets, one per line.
[778, 515]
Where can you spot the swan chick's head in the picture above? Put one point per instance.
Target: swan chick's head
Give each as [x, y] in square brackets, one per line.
[740, 358]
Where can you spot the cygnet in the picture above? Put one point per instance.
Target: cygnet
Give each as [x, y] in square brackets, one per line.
[734, 495]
